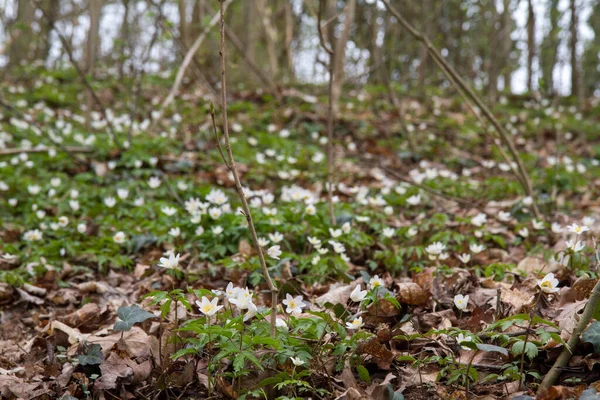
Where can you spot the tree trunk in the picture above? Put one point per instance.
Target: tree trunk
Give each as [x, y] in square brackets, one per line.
[46, 27]
[494, 60]
[506, 46]
[575, 72]
[95, 12]
[125, 39]
[340, 54]
[250, 39]
[270, 34]
[184, 27]
[423, 56]
[530, 44]
[21, 34]
[289, 37]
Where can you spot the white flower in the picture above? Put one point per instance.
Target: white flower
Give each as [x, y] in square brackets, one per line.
[464, 258]
[461, 302]
[537, 224]
[217, 196]
[310, 209]
[33, 235]
[412, 231]
[40, 214]
[356, 323]
[346, 227]
[181, 185]
[389, 232]
[414, 200]
[322, 250]
[55, 182]
[217, 230]
[252, 310]
[154, 182]
[293, 304]
[82, 227]
[119, 237]
[358, 295]
[335, 232]
[556, 227]
[461, 339]
[231, 291]
[316, 243]
[139, 202]
[315, 260]
[169, 211]
[375, 282]
[199, 231]
[296, 361]
[504, 216]
[337, 246]
[215, 212]
[388, 210]
[479, 219]
[208, 308]
[262, 242]
[74, 193]
[110, 202]
[242, 299]
[274, 252]
[523, 232]
[122, 193]
[33, 189]
[574, 246]
[588, 221]
[577, 229]
[435, 249]
[549, 284]
[528, 201]
[476, 248]
[74, 204]
[13, 202]
[169, 263]
[280, 323]
[276, 237]
[175, 231]
[63, 221]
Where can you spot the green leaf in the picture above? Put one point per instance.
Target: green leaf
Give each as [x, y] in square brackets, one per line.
[363, 374]
[92, 356]
[592, 335]
[531, 349]
[492, 348]
[130, 316]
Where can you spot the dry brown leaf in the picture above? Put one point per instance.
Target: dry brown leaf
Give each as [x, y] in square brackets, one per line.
[412, 294]
[336, 295]
[113, 368]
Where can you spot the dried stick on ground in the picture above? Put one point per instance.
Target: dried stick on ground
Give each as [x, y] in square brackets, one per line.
[450, 72]
[330, 112]
[83, 78]
[230, 162]
[184, 66]
[565, 355]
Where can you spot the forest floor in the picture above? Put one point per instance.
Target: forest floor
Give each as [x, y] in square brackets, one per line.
[106, 247]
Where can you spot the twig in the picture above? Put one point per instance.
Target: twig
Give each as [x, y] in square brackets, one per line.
[185, 64]
[83, 78]
[455, 79]
[238, 185]
[330, 116]
[565, 355]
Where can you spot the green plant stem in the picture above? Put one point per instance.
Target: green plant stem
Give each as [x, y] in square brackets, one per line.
[564, 357]
[467, 378]
[522, 366]
[209, 358]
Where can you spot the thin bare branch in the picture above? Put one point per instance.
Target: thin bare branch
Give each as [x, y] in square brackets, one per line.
[238, 185]
[456, 80]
